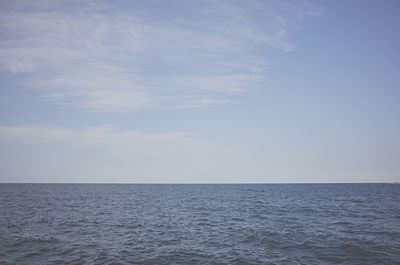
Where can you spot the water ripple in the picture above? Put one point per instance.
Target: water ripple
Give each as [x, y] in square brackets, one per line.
[199, 224]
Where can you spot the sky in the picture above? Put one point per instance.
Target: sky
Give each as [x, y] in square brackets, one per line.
[201, 91]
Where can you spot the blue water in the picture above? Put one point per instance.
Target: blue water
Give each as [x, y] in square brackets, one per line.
[199, 224]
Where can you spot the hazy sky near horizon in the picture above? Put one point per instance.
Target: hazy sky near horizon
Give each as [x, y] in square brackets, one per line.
[199, 91]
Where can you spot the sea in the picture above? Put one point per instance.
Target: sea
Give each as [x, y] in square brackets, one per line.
[199, 224]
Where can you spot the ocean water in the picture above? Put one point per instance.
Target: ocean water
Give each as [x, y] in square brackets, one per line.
[199, 224]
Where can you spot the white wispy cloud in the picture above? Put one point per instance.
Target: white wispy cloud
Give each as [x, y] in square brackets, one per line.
[115, 142]
[103, 56]
[100, 87]
[110, 152]
[105, 135]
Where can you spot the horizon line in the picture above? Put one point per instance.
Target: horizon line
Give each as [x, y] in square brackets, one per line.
[200, 183]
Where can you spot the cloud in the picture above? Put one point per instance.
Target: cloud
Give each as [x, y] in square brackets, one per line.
[229, 83]
[107, 153]
[105, 135]
[114, 142]
[104, 56]
[98, 88]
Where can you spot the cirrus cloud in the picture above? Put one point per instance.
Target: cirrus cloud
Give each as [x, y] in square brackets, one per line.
[104, 56]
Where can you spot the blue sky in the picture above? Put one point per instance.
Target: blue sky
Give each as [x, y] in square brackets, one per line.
[199, 91]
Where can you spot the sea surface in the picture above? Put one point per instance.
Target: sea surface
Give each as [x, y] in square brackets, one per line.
[199, 224]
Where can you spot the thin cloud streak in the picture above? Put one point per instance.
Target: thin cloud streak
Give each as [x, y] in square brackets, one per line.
[107, 152]
[97, 56]
[105, 135]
